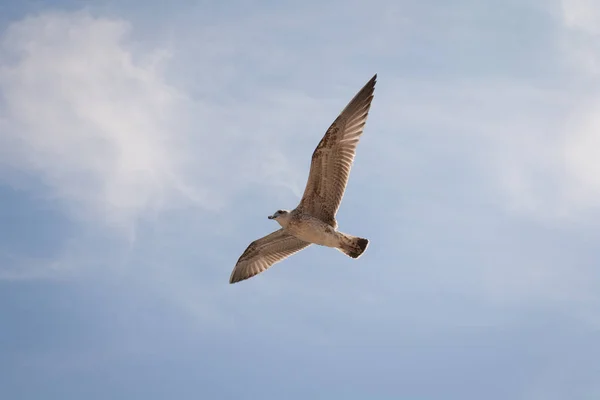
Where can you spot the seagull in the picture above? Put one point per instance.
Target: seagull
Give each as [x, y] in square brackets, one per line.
[313, 220]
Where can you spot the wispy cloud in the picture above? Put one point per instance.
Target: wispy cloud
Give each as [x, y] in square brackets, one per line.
[97, 122]
[582, 15]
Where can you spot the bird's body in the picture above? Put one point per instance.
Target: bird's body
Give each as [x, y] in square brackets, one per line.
[313, 220]
[309, 229]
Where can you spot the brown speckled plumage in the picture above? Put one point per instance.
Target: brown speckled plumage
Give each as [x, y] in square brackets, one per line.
[264, 252]
[313, 221]
[333, 158]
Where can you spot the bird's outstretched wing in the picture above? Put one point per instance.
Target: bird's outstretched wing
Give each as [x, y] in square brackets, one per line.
[264, 252]
[333, 157]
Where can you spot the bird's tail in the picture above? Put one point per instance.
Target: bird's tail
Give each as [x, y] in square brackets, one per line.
[352, 246]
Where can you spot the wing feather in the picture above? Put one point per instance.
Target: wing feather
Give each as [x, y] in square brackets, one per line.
[264, 252]
[333, 157]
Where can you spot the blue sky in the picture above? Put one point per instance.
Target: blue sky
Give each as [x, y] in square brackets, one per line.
[142, 146]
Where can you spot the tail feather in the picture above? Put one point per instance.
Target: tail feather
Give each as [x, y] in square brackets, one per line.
[353, 246]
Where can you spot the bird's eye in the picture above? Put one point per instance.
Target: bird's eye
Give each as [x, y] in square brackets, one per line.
[279, 212]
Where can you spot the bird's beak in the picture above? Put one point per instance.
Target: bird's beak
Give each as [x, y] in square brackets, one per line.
[270, 217]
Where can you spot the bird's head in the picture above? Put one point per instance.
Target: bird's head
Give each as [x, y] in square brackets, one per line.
[279, 215]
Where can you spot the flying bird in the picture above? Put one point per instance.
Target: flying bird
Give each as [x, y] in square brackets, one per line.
[313, 220]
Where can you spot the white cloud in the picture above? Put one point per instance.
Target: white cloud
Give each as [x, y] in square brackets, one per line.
[544, 150]
[581, 130]
[581, 155]
[552, 172]
[99, 125]
[582, 14]
[579, 41]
